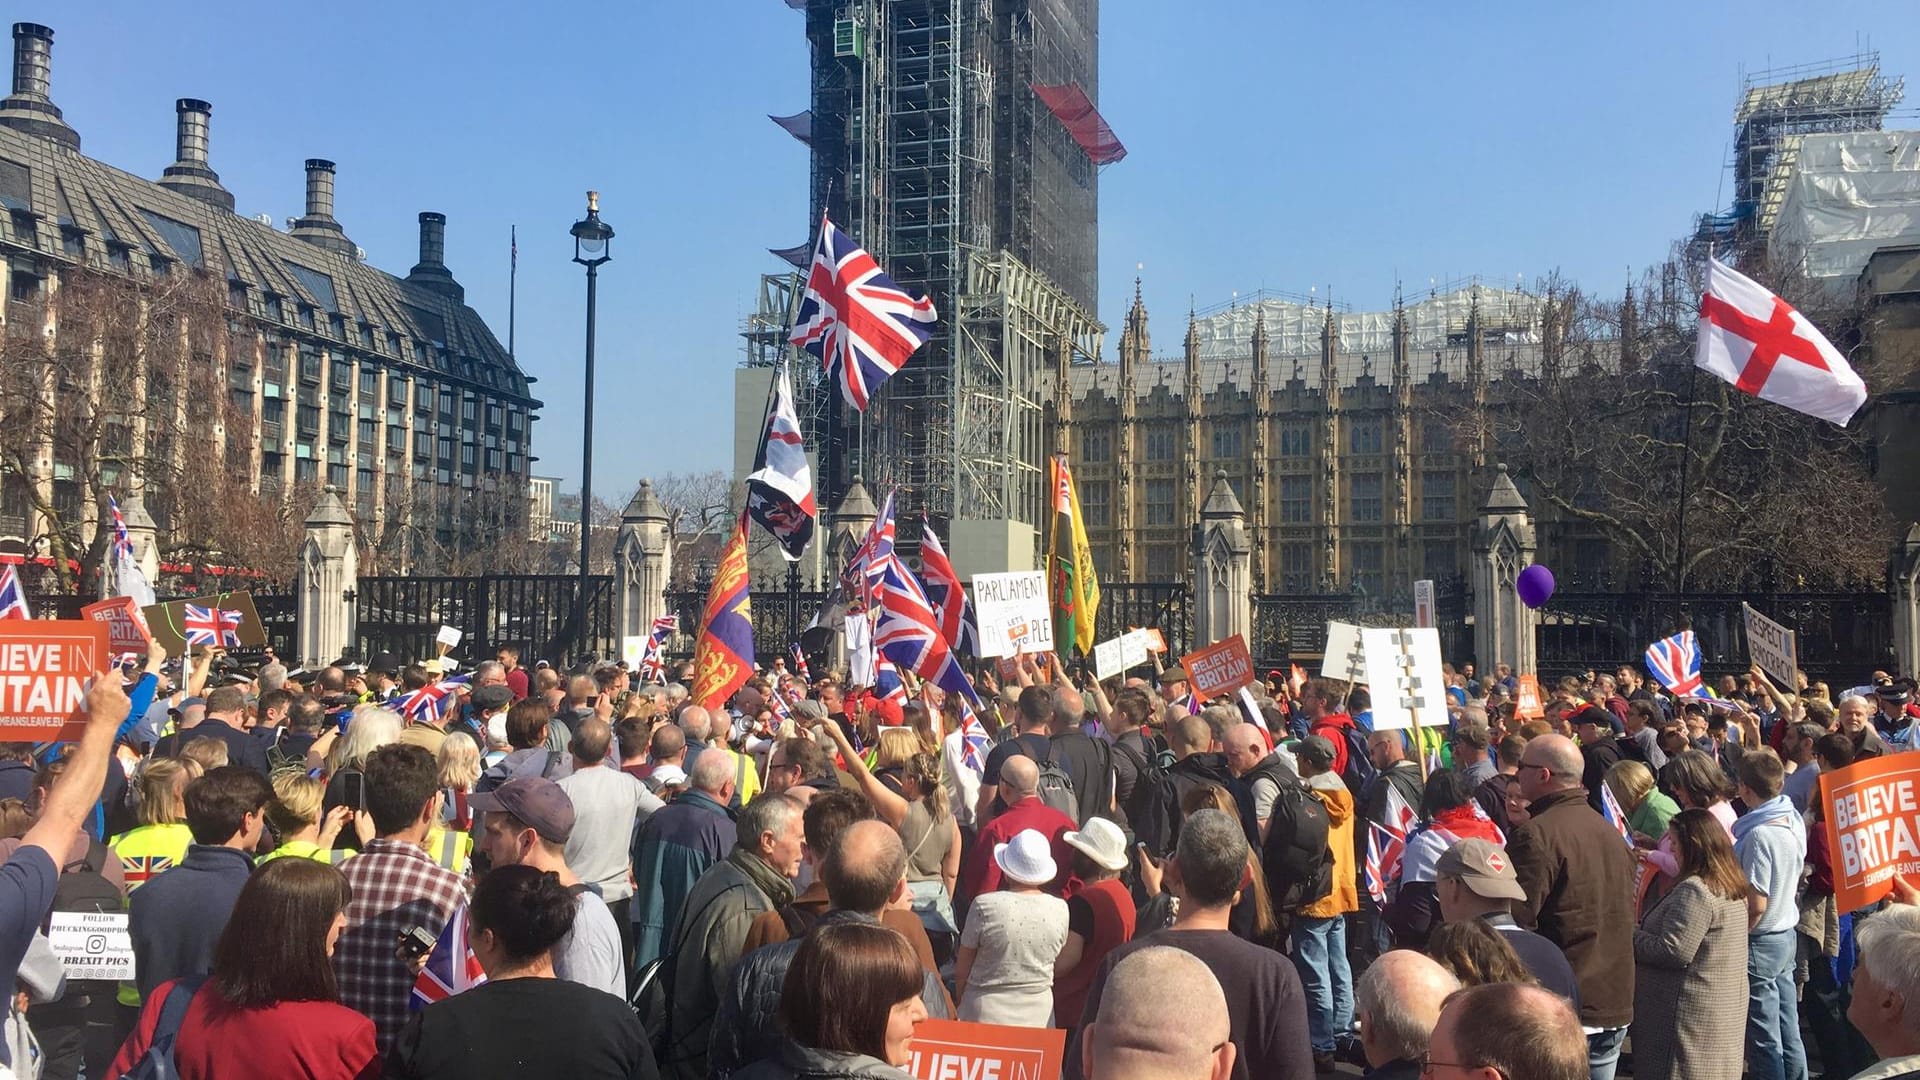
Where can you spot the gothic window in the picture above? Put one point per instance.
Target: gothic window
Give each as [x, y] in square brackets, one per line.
[1296, 500]
[1228, 439]
[1163, 562]
[1160, 502]
[1438, 499]
[1096, 499]
[1435, 437]
[1160, 442]
[1363, 498]
[1096, 443]
[1296, 567]
[1369, 566]
[1363, 437]
[1296, 440]
[1438, 558]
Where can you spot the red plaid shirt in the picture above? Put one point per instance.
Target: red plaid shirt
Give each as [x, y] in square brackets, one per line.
[396, 887]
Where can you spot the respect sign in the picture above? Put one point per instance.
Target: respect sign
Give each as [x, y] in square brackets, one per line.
[44, 668]
[1012, 612]
[1873, 827]
[1771, 646]
[957, 1050]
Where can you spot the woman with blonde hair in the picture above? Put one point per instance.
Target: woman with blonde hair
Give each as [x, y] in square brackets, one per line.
[295, 816]
[1649, 810]
[368, 729]
[161, 838]
[450, 841]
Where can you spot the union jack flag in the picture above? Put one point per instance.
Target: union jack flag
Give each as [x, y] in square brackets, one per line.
[653, 665]
[1616, 817]
[875, 552]
[860, 325]
[973, 738]
[886, 682]
[949, 598]
[13, 599]
[1384, 848]
[140, 869]
[212, 626]
[907, 633]
[451, 966]
[800, 664]
[426, 702]
[122, 543]
[1675, 662]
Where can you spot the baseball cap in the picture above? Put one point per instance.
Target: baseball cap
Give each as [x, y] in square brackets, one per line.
[190, 703]
[668, 776]
[1483, 868]
[1315, 749]
[535, 800]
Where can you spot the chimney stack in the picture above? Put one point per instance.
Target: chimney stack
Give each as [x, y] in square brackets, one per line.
[190, 174]
[30, 108]
[431, 271]
[318, 227]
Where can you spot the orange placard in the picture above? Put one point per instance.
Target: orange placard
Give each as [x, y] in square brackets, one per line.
[1220, 668]
[1873, 827]
[45, 666]
[957, 1050]
[1526, 699]
[126, 624]
[1156, 642]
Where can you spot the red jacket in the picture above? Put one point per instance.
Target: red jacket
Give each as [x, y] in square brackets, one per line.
[317, 1039]
[1334, 727]
[982, 875]
[1113, 922]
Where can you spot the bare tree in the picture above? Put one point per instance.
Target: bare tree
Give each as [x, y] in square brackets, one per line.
[1691, 482]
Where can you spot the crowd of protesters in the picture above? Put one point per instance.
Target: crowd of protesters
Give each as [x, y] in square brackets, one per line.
[385, 869]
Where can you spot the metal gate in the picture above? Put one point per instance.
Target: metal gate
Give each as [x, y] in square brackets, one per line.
[1842, 637]
[1293, 626]
[537, 614]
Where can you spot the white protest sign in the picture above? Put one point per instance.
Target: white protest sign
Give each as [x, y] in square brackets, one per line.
[448, 636]
[1013, 613]
[633, 647]
[862, 665]
[92, 945]
[1423, 603]
[1344, 659]
[1772, 646]
[1406, 677]
[1120, 654]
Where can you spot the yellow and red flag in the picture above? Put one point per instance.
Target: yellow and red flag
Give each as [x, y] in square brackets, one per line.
[723, 653]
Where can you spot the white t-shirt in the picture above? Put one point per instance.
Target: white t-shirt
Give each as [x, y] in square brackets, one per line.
[590, 953]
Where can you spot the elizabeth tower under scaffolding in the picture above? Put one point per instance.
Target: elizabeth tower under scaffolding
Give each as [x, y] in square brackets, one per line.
[959, 142]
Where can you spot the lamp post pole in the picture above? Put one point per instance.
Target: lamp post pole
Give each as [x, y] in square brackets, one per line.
[591, 247]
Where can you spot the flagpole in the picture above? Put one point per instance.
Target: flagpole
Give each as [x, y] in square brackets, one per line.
[513, 284]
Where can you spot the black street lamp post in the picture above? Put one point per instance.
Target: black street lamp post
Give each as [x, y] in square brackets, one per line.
[592, 245]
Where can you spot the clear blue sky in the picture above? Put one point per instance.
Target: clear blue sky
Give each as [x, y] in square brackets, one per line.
[1272, 144]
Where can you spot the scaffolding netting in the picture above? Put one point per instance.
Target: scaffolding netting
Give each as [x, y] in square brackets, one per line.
[1070, 105]
[1849, 195]
[799, 125]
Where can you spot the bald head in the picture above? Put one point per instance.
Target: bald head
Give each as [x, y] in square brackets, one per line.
[1069, 710]
[866, 868]
[1516, 1030]
[1019, 778]
[1136, 1037]
[1189, 735]
[592, 738]
[1550, 763]
[696, 722]
[1398, 1001]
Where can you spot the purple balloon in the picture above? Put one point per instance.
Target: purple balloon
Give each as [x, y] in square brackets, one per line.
[1535, 585]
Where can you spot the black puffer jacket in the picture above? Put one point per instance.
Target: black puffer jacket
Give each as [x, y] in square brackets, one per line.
[806, 1063]
[747, 1026]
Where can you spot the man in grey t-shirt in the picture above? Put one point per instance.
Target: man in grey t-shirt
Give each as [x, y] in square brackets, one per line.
[608, 806]
[528, 822]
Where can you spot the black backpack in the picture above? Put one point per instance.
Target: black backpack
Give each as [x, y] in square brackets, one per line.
[1058, 790]
[83, 886]
[1298, 862]
[1153, 809]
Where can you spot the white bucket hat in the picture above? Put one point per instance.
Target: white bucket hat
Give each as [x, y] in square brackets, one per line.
[1027, 858]
[1102, 841]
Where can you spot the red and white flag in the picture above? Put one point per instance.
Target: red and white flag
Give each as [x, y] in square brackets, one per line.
[1754, 340]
